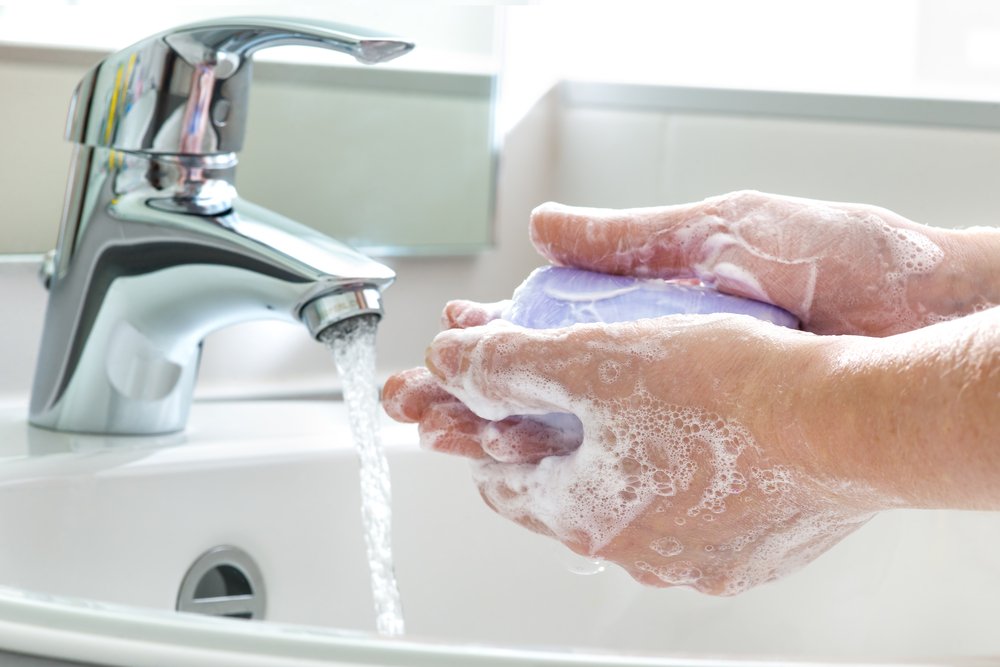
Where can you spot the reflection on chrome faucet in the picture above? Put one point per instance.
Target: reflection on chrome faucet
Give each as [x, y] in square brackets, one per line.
[156, 250]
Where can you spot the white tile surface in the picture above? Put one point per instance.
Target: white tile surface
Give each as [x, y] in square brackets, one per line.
[622, 158]
[939, 176]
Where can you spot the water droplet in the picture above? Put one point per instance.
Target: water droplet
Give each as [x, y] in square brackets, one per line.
[586, 567]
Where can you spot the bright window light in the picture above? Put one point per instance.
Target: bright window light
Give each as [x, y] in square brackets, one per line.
[913, 48]
[451, 37]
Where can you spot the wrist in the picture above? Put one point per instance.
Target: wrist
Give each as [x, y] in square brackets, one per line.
[841, 425]
[815, 415]
[915, 412]
[856, 417]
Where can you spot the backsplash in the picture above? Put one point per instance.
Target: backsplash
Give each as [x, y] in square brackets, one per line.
[934, 161]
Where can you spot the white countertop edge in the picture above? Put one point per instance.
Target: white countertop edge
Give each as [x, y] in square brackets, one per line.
[87, 631]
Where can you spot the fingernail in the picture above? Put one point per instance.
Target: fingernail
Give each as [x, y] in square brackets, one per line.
[452, 310]
[546, 207]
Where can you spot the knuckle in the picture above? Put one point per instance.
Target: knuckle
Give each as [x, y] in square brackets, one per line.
[499, 347]
[736, 204]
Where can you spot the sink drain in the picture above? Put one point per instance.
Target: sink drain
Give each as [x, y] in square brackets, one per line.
[224, 581]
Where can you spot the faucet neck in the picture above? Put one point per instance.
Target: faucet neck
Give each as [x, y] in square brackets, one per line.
[193, 184]
[155, 253]
[125, 182]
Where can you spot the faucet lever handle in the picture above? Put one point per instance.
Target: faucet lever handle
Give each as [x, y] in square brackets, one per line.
[185, 91]
[229, 40]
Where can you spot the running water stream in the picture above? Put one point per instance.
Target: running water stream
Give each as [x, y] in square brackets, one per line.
[352, 344]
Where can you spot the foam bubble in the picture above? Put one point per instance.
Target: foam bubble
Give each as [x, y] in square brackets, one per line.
[772, 480]
[609, 371]
[667, 546]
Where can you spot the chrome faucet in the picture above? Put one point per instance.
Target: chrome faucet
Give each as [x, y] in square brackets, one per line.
[156, 250]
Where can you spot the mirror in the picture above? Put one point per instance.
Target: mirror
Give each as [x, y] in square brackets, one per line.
[395, 159]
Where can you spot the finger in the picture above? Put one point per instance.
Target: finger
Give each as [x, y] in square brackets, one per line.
[642, 242]
[499, 371]
[523, 439]
[451, 428]
[407, 395]
[464, 314]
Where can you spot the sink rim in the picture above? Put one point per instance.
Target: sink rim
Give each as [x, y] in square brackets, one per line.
[110, 634]
[217, 430]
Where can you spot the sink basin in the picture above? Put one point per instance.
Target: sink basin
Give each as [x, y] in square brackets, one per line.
[93, 528]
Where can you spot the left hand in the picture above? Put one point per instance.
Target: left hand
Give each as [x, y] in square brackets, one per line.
[678, 475]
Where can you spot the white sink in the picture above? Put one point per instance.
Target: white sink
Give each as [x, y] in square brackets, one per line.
[120, 521]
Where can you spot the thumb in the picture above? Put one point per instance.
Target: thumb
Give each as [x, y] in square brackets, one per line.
[639, 241]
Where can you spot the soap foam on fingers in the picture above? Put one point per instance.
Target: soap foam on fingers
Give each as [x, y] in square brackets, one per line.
[525, 439]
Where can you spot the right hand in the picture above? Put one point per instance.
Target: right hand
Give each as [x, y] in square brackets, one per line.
[840, 268]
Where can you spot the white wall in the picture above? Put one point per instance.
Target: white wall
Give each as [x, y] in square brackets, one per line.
[936, 175]
[926, 48]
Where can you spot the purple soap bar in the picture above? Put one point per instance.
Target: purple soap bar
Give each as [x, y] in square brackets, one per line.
[555, 296]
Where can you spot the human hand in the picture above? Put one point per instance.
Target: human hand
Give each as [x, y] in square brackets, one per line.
[690, 462]
[807, 455]
[840, 268]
